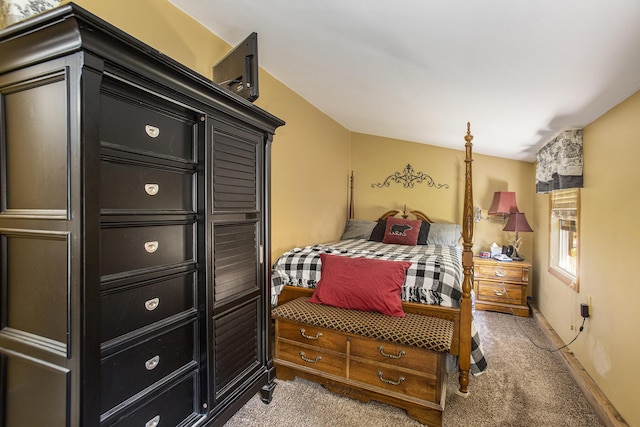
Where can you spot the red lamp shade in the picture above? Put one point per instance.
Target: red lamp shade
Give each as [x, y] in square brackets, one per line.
[504, 203]
[517, 222]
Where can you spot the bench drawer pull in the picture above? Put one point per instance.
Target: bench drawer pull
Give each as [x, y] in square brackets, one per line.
[309, 337]
[391, 356]
[316, 360]
[400, 379]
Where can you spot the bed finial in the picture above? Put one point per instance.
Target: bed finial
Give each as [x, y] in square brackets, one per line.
[351, 213]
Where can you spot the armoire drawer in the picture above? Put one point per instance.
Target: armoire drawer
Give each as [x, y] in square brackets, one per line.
[125, 310]
[169, 408]
[129, 371]
[134, 187]
[148, 125]
[131, 248]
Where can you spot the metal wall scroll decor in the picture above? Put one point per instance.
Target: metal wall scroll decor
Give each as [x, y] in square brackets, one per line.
[408, 178]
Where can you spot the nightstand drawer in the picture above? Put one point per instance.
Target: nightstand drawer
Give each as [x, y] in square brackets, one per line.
[501, 271]
[499, 292]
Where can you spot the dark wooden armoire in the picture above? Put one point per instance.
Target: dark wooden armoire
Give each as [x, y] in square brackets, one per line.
[134, 228]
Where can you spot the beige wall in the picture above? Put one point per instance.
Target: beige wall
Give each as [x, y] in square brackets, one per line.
[374, 158]
[610, 200]
[310, 154]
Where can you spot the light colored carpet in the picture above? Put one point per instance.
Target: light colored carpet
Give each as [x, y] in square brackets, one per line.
[524, 386]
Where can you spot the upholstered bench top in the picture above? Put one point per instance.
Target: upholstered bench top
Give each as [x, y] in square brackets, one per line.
[415, 330]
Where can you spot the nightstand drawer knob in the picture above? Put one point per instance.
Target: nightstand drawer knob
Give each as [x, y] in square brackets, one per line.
[500, 272]
[499, 292]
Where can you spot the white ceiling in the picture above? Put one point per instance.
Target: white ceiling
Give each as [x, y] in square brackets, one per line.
[520, 71]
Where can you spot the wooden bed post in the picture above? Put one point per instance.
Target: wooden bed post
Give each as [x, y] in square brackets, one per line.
[464, 355]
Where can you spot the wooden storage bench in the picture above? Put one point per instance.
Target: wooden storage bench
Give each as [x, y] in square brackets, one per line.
[395, 360]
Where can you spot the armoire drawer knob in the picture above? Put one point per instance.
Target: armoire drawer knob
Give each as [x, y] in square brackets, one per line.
[151, 189]
[153, 422]
[152, 131]
[152, 363]
[152, 304]
[151, 247]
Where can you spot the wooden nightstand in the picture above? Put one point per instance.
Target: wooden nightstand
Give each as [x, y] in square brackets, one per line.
[501, 286]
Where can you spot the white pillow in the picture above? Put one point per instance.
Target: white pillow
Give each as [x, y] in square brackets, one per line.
[441, 233]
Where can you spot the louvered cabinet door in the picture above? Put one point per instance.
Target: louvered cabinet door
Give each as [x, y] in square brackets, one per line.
[236, 285]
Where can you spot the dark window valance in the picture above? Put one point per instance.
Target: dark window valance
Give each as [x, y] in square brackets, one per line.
[560, 162]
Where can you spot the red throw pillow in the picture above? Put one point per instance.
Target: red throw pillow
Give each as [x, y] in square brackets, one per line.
[402, 231]
[361, 284]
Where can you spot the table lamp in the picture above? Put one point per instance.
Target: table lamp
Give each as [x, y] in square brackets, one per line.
[517, 222]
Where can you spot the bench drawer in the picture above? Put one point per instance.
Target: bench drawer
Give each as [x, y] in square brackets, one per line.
[311, 335]
[313, 358]
[394, 354]
[405, 382]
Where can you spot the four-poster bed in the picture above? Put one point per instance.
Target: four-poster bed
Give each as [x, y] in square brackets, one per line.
[361, 353]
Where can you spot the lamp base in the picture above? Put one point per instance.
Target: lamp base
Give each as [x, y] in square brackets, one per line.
[517, 258]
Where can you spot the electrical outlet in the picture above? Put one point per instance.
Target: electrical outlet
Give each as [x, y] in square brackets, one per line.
[584, 310]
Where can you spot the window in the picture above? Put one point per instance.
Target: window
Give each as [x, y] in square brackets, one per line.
[564, 237]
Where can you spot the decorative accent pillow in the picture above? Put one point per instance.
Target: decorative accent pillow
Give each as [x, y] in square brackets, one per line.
[378, 231]
[402, 231]
[441, 233]
[361, 284]
[358, 229]
[424, 233]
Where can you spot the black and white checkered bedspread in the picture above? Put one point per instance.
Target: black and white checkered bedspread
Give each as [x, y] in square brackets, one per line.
[435, 275]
